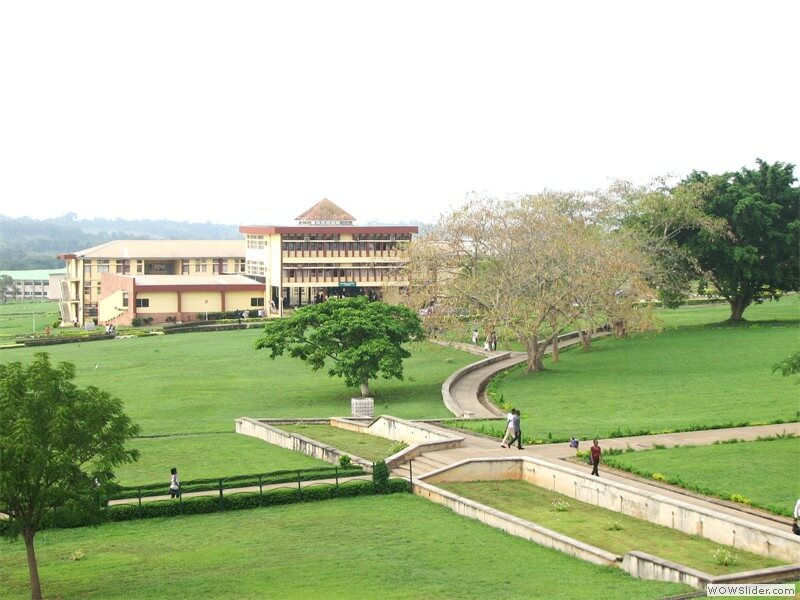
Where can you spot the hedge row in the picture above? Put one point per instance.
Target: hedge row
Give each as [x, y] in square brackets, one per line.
[208, 504]
[52, 341]
[200, 485]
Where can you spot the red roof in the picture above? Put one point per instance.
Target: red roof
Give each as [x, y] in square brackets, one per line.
[325, 210]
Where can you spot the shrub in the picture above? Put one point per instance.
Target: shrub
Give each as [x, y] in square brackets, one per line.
[614, 526]
[396, 447]
[344, 461]
[725, 557]
[659, 477]
[560, 505]
[380, 477]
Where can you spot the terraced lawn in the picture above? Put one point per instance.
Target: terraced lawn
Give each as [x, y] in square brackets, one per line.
[397, 546]
[764, 473]
[367, 446]
[603, 528]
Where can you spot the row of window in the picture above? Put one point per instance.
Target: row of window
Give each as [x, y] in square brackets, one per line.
[346, 274]
[123, 267]
[333, 247]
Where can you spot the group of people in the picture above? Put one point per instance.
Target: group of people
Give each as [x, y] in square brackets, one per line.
[514, 434]
[490, 345]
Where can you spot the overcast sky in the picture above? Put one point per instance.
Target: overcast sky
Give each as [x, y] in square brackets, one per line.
[250, 112]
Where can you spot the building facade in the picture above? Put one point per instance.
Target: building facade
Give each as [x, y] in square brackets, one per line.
[33, 285]
[82, 288]
[163, 298]
[324, 255]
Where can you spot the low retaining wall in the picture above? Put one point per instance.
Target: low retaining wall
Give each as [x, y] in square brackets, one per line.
[661, 510]
[296, 442]
[515, 526]
[421, 437]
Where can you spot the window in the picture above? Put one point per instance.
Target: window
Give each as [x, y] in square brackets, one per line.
[240, 265]
[102, 265]
[224, 266]
[257, 301]
[123, 267]
[124, 299]
[87, 270]
[184, 267]
[143, 303]
[255, 242]
[140, 266]
[215, 266]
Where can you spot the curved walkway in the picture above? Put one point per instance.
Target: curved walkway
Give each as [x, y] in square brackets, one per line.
[463, 392]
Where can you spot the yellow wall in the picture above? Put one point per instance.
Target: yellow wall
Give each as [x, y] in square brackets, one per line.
[241, 300]
[196, 302]
[160, 302]
[107, 307]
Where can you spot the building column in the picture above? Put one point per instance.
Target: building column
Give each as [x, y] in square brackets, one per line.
[222, 300]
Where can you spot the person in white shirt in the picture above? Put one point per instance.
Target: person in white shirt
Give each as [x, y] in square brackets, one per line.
[795, 526]
[509, 427]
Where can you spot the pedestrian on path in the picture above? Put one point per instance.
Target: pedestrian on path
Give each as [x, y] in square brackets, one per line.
[174, 483]
[595, 452]
[795, 526]
[517, 431]
[574, 443]
[475, 337]
[509, 427]
[493, 341]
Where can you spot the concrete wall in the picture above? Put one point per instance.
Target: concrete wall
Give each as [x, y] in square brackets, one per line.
[646, 566]
[160, 302]
[294, 441]
[449, 401]
[661, 510]
[241, 300]
[516, 526]
[195, 302]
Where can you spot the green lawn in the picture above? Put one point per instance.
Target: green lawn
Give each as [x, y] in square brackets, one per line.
[397, 546]
[201, 455]
[371, 447]
[764, 472]
[593, 525]
[17, 318]
[686, 377]
[201, 382]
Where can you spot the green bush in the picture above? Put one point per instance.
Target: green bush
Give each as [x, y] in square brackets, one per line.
[380, 477]
[345, 461]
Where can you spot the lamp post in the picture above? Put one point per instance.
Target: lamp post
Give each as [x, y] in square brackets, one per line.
[33, 310]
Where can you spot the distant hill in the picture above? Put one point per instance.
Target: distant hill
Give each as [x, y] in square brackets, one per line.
[35, 243]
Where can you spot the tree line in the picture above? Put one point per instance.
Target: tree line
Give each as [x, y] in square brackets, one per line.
[541, 264]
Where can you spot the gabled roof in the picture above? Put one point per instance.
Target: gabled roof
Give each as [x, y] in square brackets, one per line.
[169, 249]
[325, 210]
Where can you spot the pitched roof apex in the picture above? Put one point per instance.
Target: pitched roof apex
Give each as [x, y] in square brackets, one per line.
[325, 210]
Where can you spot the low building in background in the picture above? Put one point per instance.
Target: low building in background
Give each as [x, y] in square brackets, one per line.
[176, 298]
[325, 255]
[83, 290]
[37, 284]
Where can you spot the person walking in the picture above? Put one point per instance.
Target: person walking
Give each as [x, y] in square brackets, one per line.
[174, 483]
[493, 341]
[509, 427]
[795, 526]
[595, 452]
[475, 337]
[517, 431]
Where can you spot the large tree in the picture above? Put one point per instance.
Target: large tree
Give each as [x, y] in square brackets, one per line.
[757, 254]
[58, 443]
[529, 265]
[357, 339]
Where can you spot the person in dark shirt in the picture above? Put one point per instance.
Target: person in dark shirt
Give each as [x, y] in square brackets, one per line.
[595, 453]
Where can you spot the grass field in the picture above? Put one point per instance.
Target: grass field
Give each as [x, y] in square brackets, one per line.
[397, 546]
[17, 318]
[371, 447]
[200, 382]
[764, 472]
[689, 376]
[593, 525]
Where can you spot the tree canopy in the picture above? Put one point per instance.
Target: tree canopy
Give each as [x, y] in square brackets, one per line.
[757, 253]
[58, 444]
[356, 339]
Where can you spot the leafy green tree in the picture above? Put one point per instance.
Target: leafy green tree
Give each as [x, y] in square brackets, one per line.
[58, 444]
[6, 288]
[358, 339]
[757, 254]
[788, 366]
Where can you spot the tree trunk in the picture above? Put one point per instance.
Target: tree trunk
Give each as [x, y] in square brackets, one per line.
[554, 352]
[586, 339]
[737, 308]
[365, 388]
[33, 569]
[535, 351]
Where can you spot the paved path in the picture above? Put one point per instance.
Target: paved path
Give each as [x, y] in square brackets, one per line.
[468, 390]
[477, 446]
[237, 490]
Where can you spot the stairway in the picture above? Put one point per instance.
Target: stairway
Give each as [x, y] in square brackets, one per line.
[420, 465]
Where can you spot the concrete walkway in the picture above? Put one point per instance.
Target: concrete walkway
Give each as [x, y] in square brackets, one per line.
[468, 389]
[479, 446]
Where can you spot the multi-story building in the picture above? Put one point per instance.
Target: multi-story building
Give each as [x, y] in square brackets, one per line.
[324, 255]
[82, 288]
[33, 284]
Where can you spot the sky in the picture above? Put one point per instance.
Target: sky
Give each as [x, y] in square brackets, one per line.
[250, 112]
